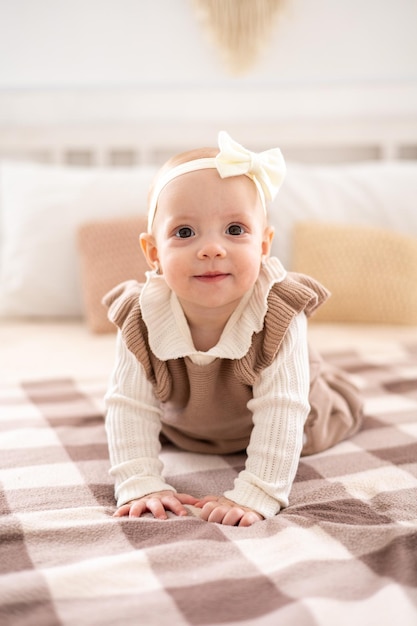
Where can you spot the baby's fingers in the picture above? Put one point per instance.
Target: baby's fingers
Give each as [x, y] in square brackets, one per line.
[157, 507]
[225, 513]
[203, 501]
[250, 518]
[175, 503]
[185, 498]
[122, 511]
[157, 504]
[212, 511]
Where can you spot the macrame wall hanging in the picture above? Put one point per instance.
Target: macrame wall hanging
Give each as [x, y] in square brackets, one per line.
[239, 28]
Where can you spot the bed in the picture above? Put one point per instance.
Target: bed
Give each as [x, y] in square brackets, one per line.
[345, 549]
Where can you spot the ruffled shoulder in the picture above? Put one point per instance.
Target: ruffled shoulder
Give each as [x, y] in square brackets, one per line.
[301, 293]
[124, 311]
[122, 300]
[295, 294]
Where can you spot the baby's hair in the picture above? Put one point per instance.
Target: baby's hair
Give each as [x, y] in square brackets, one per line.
[182, 157]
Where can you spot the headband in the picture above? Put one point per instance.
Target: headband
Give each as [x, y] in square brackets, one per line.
[266, 169]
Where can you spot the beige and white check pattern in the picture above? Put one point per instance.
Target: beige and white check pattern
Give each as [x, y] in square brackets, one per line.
[344, 552]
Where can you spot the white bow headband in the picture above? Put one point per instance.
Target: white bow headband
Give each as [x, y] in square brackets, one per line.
[266, 169]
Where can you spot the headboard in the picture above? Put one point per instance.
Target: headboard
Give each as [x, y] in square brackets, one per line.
[128, 144]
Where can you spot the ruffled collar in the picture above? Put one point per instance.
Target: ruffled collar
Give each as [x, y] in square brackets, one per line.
[169, 334]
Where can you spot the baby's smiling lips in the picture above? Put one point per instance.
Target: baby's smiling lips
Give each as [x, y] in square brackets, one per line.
[210, 277]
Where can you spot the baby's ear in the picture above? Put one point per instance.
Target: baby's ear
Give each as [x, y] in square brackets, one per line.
[267, 240]
[149, 249]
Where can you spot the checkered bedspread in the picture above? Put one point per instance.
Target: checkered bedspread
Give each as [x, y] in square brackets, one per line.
[344, 552]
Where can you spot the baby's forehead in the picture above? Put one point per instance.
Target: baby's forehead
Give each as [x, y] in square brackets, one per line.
[201, 180]
[203, 193]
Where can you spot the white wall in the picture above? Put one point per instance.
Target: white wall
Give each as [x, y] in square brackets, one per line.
[122, 60]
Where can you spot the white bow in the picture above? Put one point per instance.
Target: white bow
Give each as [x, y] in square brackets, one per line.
[266, 168]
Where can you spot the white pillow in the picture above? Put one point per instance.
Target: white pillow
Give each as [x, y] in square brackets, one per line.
[379, 194]
[42, 208]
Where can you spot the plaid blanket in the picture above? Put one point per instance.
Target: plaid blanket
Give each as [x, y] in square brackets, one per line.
[343, 552]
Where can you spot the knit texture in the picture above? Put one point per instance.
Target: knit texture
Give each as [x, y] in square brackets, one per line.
[371, 272]
[109, 253]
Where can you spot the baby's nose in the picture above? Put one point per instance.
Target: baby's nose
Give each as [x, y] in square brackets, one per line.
[212, 248]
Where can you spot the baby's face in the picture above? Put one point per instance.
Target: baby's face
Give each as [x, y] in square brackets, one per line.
[210, 234]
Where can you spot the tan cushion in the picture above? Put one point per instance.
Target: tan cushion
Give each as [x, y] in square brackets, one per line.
[371, 272]
[109, 254]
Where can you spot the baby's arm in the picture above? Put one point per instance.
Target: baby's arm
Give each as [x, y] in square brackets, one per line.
[280, 408]
[133, 427]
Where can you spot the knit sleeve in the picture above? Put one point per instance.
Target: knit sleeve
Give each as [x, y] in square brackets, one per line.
[133, 427]
[280, 408]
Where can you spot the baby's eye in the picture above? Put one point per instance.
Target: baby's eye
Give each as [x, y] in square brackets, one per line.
[235, 229]
[184, 232]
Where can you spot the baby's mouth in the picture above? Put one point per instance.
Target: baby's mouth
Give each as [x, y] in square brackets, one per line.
[211, 276]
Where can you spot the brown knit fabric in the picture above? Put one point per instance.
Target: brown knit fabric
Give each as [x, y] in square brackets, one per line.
[206, 410]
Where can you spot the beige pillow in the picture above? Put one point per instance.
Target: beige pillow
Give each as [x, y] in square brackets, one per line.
[371, 272]
[109, 254]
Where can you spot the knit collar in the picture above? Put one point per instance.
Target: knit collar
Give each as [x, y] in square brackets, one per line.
[168, 331]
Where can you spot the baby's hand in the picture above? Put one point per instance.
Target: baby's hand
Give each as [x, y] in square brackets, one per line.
[158, 504]
[223, 511]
